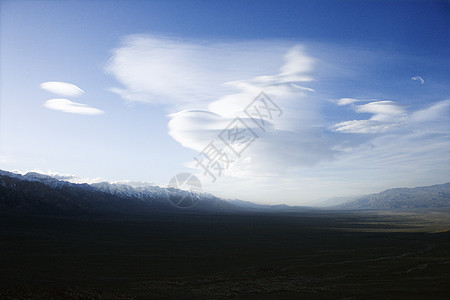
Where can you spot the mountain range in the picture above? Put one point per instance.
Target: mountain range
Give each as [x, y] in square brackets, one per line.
[43, 194]
[434, 196]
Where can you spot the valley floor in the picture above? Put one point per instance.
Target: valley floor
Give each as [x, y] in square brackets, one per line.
[323, 255]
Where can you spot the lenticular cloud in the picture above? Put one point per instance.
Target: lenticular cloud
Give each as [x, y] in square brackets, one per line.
[65, 105]
[62, 88]
[72, 107]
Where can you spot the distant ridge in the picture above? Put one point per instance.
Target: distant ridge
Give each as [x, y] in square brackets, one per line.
[43, 194]
[434, 196]
[36, 193]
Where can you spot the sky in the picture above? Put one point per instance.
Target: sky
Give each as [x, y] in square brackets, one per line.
[267, 101]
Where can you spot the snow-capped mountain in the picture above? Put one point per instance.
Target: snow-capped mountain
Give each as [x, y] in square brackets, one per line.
[37, 177]
[46, 179]
[34, 191]
[125, 190]
[159, 195]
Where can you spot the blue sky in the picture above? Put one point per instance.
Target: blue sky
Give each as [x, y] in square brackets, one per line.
[363, 87]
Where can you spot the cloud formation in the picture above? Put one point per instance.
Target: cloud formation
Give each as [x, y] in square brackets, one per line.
[68, 106]
[386, 115]
[347, 101]
[62, 88]
[418, 78]
[437, 112]
[389, 115]
[65, 105]
[207, 85]
[217, 81]
[190, 74]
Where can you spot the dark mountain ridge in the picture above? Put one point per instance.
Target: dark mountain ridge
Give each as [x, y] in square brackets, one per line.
[42, 194]
[434, 196]
[36, 193]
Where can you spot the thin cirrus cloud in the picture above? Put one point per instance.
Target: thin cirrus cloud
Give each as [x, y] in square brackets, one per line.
[62, 88]
[68, 106]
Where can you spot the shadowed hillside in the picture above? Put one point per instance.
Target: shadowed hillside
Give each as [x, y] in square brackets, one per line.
[435, 196]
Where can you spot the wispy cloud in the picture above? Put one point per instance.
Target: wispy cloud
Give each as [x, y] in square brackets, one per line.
[190, 74]
[389, 115]
[437, 112]
[382, 110]
[386, 115]
[347, 101]
[68, 106]
[62, 88]
[363, 126]
[418, 78]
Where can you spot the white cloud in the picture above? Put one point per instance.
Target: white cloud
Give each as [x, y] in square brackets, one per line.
[347, 101]
[62, 88]
[219, 80]
[72, 107]
[436, 112]
[190, 74]
[386, 115]
[194, 129]
[209, 84]
[291, 141]
[418, 78]
[363, 126]
[296, 62]
[382, 110]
